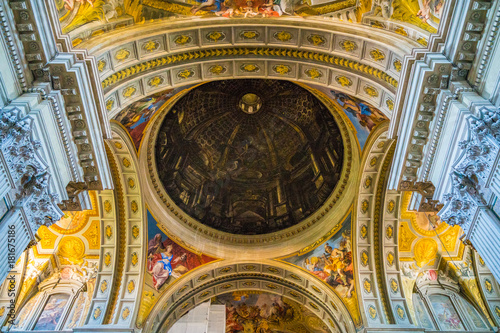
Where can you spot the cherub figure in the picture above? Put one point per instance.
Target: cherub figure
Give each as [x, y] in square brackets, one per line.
[249, 10]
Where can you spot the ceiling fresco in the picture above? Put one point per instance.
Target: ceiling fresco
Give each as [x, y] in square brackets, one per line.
[136, 116]
[249, 156]
[96, 17]
[168, 258]
[330, 260]
[255, 311]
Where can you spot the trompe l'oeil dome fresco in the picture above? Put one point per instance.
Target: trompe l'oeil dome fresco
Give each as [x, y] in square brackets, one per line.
[249, 156]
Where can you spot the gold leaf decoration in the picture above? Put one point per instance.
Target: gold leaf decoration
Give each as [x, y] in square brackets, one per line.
[225, 270]
[283, 36]
[109, 232]
[47, 238]
[397, 65]
[151, 46]
[425, 250]
[364, 231]
[344, 81]
[107, 206]
[367, 286]
[401, 31]
[394, 286]
[348, 45]
[249, 34]
[406, 237]
[282, 69]
[368, 182]
[131, 286]
[104, 286]
[109, 104]
[92, 235]
[125, 313]
[122, 54]
[250, 68]
[131, 183]
[134, 206]
[216, 36]
[364, 206]
[390, 258]
[390, 206]
[422, 41]
[97, 313]
[314, 73]
[389, 232]
[400, 312]
[135, 231]
[183, 39]
[481, 261]
[273, 269]
[107, 259]
[156, 81]
[185, 74]
[316, 40]
[371, 91]
[126, 162]
[377, 55]
[135, 259]
[101, 65]
[390, 104]
[364, 258]
[372, 312]
[217, 69]
[488, 286]
[118, 145]
[129, 91]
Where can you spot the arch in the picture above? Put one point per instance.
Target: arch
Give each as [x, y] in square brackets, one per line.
[119, 280]
[66, 291]
[225, 245]
[367, 229]
[447, 308]
[364, 62]
[269, 276]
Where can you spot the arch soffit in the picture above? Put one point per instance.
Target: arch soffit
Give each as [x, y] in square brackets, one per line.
[366, 216]
[124, 237]
[357, 60]
[229, 246]
[268, 276]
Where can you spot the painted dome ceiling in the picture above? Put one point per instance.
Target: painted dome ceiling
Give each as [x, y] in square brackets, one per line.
[249, 156]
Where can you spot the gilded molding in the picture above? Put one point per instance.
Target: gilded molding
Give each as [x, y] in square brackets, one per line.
[377, 234]
[235, 52]
[120, 257]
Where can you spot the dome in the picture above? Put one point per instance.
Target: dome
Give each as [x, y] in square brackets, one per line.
[249, 156]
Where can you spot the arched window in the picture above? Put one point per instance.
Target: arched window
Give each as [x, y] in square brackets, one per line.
[57, 306]
[440, 306]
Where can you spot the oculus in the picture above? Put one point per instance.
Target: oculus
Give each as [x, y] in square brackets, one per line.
[253, 172]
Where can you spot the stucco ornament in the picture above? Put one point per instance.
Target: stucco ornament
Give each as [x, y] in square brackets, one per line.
[30, 174]
[472, 170]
